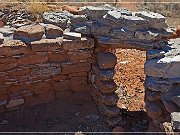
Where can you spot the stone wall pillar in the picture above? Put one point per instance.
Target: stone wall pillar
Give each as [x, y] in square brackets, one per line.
[103, 85]
[162, 86]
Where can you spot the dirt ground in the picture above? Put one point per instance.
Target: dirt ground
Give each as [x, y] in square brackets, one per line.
[79, 113]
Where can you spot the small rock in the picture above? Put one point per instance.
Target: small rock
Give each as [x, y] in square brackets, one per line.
[92, 117]
[4, 122]
[77, 114]
[52, 31]
[106, 60]
[175, 121]
[117, 130]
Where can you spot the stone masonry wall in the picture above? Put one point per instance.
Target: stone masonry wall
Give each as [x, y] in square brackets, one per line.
[49, 60]
[43, 70]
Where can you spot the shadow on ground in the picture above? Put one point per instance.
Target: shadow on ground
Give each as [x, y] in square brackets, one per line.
[75, 113]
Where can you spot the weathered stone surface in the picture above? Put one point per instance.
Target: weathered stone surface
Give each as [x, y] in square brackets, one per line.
[168, 66]
[84, 43]
[44, 71]
[122, 33]
[79, 55]
[91, 11]
[78, 18]
[52, 31]
[154, 85]
[13, 47]
[29, 33]
[153, 53]
[156, 20]
[32, 59]
[117, 130]
[106, 87]
[79, 84]
[72, 35]
[103, 74]
[46, 44]
[176, 99]
[106, 60]
[14, 103]
[74, 68]
[152, 96]
[57, 18]
[166, 99]
[115, 121]
[153, 110]
[175, 121]
[61, 85]
[106, 99]
[99, 29]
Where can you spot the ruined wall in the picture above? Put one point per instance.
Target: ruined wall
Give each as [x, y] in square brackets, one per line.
[43, 70]
[55, 64]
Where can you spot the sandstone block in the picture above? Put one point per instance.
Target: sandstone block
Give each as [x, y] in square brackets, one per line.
[59, 77]
[29, 33]
[74, 68]
[158, 67]
[72, 35]
[58, 57]
[153, 110]
[12, 47]
[79, 84]
[84, 43]
[46, 44]
[61, 85]
[106, 60]
[32, 59]
[106, 87]
[79, 55]
[93, 12]
[52, 31]
[14, 103]
[106, 99]
[103, 74]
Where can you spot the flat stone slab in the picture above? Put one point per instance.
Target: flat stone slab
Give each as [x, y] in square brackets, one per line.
[169, 65]
[72, 35]
[29, 33]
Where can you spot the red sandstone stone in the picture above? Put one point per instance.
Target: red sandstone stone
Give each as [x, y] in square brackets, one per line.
[5, 67]
[32, 59]
[78, 74]
[59, 77]
[39, 99]
[2, 108]
[61, 85]
[30, 31]
[79, 55]
[74, 68]
[46, 44]
[12, 47]
[7, 60]
[41, 86]
[58, 57]
[19, 72]
[79, 84]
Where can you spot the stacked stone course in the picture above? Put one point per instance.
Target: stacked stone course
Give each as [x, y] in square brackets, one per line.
[38, 70]
[61, 55]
